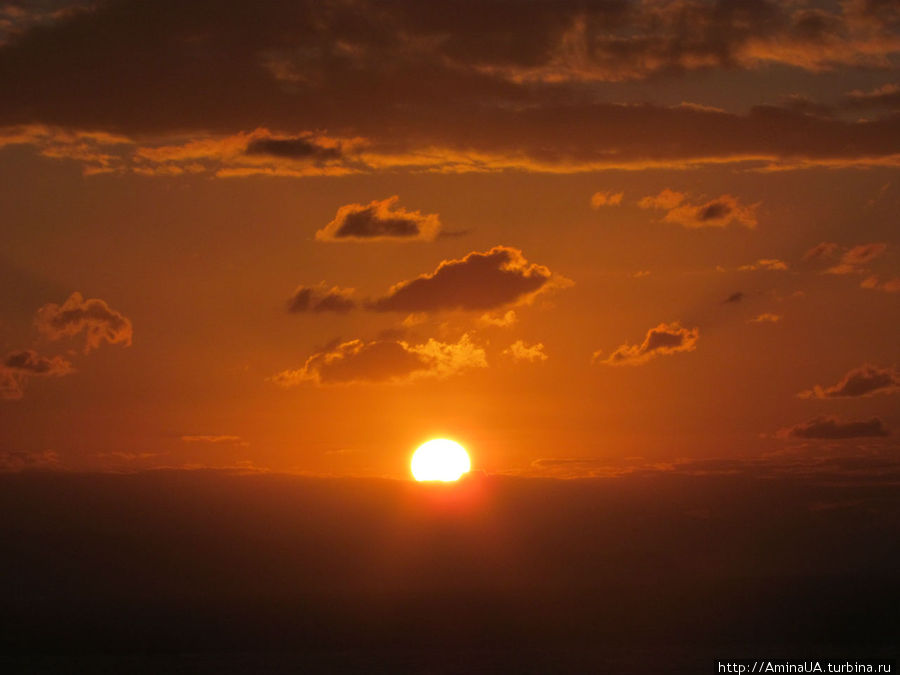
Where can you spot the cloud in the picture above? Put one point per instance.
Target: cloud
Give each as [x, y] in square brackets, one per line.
[826, 250]
[832, 428]
[385, 361]
[17, 17]
[18, 366]
[806, 105]
[886, 96]
[294, 147]
[666, 338]
[93, 317]
[215, 439]
[379, 220]
[321, 298]
[519, 351]
[15, 461]
[29, 362]
[495, 278]
[867, 380]
[719, 212]
[770, 264]
[855, 259]
[737, 296]
[504, 320]
[873, 283]
[606, 199]
[766, 317]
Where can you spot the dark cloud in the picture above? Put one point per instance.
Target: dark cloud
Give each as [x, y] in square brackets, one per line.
[666, 338]
[479, 281]
[321, 298]
[866, 380]
[18, 366]
[411, 85]
[379, 219]
[19, 16]
[93, 317]
[734, 297]
[806, 105]
[293, 148]
[832, 428]
[30, 362]
[385, 361]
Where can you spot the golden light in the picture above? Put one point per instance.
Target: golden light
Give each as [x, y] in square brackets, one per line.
[440, 459]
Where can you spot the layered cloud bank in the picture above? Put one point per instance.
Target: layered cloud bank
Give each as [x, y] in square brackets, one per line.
[328, 88]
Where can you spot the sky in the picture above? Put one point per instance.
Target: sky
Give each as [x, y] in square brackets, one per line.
[580, 238]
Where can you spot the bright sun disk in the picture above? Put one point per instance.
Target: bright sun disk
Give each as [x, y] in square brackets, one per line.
[440, 459]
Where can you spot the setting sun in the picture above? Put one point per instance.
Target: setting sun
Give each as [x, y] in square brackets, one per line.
[440, 460]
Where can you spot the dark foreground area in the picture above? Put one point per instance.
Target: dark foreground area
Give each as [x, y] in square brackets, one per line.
[187, 572]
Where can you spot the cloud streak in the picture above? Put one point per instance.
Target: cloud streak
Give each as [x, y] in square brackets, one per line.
[867, 380]
[666, 338]
[722, 211]
[321, 298]
[385, 362]
[833, 428]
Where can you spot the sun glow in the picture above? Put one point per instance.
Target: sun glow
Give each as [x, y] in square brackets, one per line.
[440, 459]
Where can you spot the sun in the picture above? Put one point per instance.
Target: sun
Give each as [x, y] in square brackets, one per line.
[440, 459]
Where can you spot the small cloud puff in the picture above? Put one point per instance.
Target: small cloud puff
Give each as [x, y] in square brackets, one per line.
[380, 220]
[385, 361]
[766, 317]
[856, 258]
[495, 278]
[719, 212]
[848, 260]
[867, 380]
[18, 366]
[321, 298]
[873, 283]
[499, 320]
[770, 264]
[606, 199]
[519, 351]
[664, 339]
[93, 317]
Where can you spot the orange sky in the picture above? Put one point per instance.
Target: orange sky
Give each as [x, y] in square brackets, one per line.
[578, 239]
